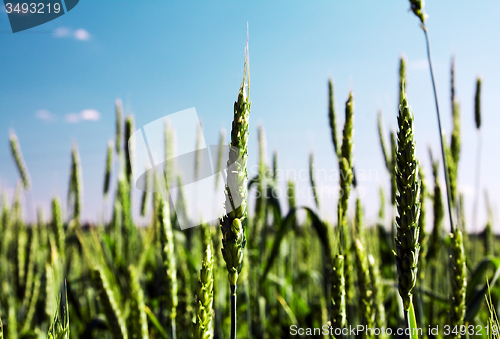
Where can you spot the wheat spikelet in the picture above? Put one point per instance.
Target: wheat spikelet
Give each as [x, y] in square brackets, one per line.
[408, 198]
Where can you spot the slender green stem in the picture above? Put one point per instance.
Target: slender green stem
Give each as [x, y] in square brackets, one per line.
[233, 311]
[476, 198]
[443, 152]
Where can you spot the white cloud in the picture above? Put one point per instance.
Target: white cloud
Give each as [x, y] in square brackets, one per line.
[90, 114]
[72, 118]
[82, 34]
[65, 32]
[43, 114]
[62, 32]
[86, 114]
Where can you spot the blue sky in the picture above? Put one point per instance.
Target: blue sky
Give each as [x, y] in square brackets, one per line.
[59, 82]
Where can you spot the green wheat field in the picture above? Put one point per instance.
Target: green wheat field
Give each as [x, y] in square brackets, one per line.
[269, 272]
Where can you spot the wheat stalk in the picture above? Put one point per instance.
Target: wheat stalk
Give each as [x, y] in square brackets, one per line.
[417, 7]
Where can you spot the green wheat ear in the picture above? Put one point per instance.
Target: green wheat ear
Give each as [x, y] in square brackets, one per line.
[233, 224]
[345, 167]
[118, 140]
[129, 147]
[477, 103]
[58, 227]
[312, 180]
[19, 160]
[332, 117]
[408, 205]
[438, 213]
[109, 167]
[75, 192]
[458, 281]
[203, 325]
